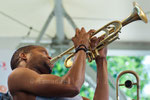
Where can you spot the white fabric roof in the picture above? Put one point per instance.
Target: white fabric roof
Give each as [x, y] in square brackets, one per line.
[16, 16]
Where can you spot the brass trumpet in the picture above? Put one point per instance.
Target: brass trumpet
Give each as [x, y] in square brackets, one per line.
[128, 83]
[111, 31]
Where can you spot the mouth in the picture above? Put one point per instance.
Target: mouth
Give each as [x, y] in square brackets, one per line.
[52, 65]
[49, 66]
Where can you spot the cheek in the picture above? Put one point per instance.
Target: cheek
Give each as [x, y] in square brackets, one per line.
[37, 58]
[34, 59]
[40, 60]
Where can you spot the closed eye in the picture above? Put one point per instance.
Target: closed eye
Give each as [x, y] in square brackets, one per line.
[44, 52]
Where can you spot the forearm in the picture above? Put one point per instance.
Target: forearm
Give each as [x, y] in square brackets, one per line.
[76, 74]
[102, 92]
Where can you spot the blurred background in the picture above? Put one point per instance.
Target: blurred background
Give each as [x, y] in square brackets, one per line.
[52, 23]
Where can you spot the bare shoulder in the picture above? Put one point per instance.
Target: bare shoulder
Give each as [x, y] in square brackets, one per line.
[23, 77]
[17, 75]
[20, 73]
[23, 74]
[20, 70]
[84, 98]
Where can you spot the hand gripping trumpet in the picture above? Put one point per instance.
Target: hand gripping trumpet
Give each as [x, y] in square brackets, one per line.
[111, 31]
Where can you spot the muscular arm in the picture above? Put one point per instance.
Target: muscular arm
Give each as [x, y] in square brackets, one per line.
[77, 73]
[101, 92]
[26, 80]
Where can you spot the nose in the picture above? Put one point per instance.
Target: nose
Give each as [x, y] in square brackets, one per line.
[49, 57]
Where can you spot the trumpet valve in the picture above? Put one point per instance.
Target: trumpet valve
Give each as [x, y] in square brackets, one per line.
[90, 56]
[96, 53]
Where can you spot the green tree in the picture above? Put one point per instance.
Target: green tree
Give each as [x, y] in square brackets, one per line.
[60, 70]
[116, 64]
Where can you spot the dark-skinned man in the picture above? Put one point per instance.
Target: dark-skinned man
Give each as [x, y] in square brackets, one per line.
[31, 78]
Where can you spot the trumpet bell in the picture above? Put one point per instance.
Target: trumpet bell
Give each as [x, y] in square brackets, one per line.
[137, 14]
[140, 12]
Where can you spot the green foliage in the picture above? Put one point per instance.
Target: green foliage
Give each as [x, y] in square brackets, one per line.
[60, 70]
[87, 91]
[116, 64]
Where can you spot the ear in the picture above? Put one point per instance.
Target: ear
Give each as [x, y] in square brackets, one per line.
[23, 56]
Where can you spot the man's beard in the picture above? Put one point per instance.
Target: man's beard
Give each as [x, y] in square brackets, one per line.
[40, 64]
[48, 67]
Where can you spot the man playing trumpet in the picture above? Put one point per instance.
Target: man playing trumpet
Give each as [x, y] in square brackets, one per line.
[31, 78]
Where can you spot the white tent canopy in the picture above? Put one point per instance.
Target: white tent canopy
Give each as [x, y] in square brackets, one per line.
[17, 16]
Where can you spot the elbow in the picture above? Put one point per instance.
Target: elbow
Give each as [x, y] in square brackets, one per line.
[73, 87]
[75, 90]
[77, 86]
